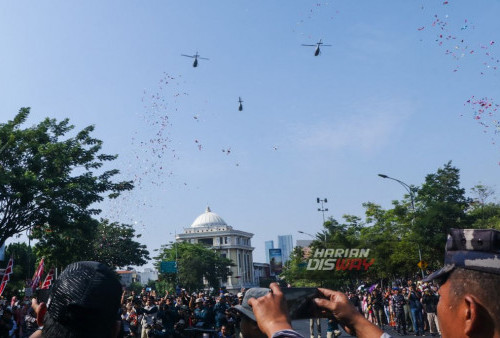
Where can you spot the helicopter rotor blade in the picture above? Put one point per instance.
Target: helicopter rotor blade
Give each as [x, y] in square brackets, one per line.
[199, 57]
[189, 56]
[308, 45]
[326, 45]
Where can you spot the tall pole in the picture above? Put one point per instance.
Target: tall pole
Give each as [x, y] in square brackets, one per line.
[174, 244]
[412, 200]
[29, 253]
[176, 259]
[322, 209]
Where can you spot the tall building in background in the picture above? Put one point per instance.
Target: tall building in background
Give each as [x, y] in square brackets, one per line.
[285, 243]
[268, 245]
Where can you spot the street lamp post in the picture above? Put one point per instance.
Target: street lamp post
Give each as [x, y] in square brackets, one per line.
[412, 200]
[305, 233]
[174, 244]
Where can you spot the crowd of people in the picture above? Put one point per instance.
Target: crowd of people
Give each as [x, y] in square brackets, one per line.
[410, 308]
[17, 317]
[184, 314]
[87, 301]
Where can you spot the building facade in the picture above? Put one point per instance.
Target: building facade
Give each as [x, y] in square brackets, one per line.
[148, 275]
[212, 231]
[260, 272]
[127, 277]
[268, 245]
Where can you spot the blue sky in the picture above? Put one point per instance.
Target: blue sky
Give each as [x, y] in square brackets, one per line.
[386, 97]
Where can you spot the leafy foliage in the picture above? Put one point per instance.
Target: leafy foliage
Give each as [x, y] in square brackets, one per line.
[395, 236]
[48, 179]
[25, 263]
[195, 263]
[116, 245]
[109, 243]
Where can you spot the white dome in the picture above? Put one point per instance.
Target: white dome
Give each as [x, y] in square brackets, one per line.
[208, 219]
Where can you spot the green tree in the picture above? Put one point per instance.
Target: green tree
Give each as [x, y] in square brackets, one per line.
[109, 243]
[484, 214]
[195, 263]
[486, 217]
[63, 246]
[115, 246]
[294, 271]
[25, 263]
[441, 205]
[50, 179]
[335, 235]
[136, 287]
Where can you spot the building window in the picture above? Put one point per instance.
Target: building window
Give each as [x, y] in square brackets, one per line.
[206, 241]
[226, 240]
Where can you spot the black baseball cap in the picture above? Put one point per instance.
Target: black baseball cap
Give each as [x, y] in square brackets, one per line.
[85, 292]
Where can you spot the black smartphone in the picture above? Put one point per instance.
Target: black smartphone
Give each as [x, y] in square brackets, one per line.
[300, 302]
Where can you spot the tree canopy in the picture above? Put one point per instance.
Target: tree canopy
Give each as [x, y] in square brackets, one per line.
[112, 243]
[48, 178]
[397, 236]
[195, 263]
[25, 263]
[51, 182]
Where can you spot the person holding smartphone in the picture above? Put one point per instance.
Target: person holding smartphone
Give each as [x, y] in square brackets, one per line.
[269, 315]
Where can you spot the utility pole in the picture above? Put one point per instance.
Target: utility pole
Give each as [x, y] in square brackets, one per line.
[322, 209]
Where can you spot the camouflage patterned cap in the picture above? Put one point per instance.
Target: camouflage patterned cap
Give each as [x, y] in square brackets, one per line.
[473, 249]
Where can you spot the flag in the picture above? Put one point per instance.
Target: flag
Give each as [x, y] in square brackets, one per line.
[48, 280]
[6, 275]
[37, 276]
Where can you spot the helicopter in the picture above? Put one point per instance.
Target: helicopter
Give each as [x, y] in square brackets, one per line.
[196, 57]
[240, 108]
[317, 51]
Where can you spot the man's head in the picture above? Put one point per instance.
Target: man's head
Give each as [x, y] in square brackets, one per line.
[249, 327]
[469, 303]
[84, 302]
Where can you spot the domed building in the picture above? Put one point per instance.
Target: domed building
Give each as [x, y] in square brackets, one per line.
[212, 231]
